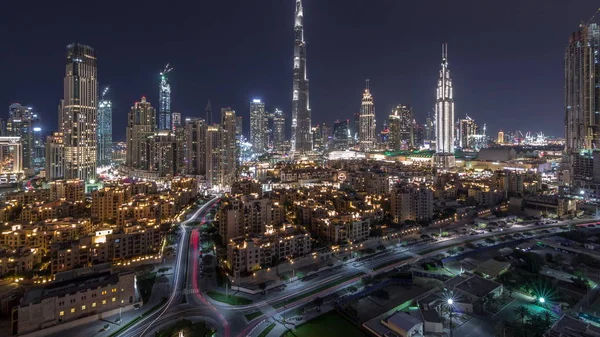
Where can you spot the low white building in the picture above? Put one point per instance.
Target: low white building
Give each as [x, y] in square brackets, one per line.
[68, 300]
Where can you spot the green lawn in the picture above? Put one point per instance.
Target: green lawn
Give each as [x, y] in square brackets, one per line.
[266, 331]
[253, 315]
[329, 324]
[233, 300]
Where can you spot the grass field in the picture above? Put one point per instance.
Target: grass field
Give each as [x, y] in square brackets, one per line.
[233, 300]
[329, 324]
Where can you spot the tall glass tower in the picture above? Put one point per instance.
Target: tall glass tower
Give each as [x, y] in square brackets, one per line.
[78, 112]
[301, 115]
[444, 110]
[582, 89]
[258, 126]
[164, 104]
[367, 122]
[104, 141]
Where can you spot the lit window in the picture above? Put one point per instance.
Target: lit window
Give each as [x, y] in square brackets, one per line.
[94, 305]
[114, 290]
[114, 299]
[72, 310]
[103, 301]
[62, 313]
[83, 307]
[103, 292]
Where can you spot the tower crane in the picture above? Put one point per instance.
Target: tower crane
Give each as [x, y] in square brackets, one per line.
[167, 70]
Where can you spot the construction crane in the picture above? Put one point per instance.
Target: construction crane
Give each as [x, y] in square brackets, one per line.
[167, 70]
[590, 20]
[105, 92]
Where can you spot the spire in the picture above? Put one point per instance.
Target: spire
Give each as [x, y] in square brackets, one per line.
[299, 13]
[367, 84]
[208, 113]
[444, 52]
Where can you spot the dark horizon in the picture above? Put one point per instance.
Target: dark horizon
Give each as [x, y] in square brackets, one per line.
[506, 59]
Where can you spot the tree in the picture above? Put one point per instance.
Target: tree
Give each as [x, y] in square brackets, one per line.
[522, 312]
[533, 262]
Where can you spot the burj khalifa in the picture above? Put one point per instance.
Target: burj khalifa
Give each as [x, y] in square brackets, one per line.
[301, 117]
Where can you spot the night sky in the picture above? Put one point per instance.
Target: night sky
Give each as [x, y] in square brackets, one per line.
[506, 57]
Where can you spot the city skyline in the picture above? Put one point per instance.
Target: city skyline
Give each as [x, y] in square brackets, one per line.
[335, 94]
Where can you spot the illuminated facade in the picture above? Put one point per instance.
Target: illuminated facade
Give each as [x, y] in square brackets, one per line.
[301, 114]
[78, 113]
[366, 134]
[141, 124]
[55, 156]
[21, 122]
[104, 141]
[467, 133]
[582, 90]
[230, 146]
[401, 126]
[195, 146]
[258, 126]
[278, 130]
[214, 171]
[164, 103]
[175, 120]
[444, 110]
[341, 135]
[500, 137]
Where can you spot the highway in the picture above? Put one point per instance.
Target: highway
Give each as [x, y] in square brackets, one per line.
[188, 301]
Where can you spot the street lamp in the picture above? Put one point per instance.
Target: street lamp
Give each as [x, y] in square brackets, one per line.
[542, 300]
[450, 302]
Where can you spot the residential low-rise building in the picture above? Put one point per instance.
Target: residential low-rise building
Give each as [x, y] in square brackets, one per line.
[68, 300]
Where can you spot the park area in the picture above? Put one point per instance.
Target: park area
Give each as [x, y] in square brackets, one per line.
[329, 324]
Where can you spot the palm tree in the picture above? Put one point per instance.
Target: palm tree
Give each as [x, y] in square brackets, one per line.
[522, 312]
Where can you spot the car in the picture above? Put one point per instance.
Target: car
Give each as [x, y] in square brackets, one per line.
[136, 306]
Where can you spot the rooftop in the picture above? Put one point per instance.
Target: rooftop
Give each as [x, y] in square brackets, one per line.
[478, 286]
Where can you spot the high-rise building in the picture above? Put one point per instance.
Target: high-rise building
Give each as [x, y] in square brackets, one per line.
[21, 122]
[301, 114]
[401, 126]
[582, 89]
[317, 134]
[430, 134]
[195, 146]
[214, 156]
[104, 141]
[164, 101]
[230, 145]
[467, 133]
[278, 130]
[208, 112]
[39, 150]
[366, 133]
[411, 202]
[164, 150]
[444, 110]
[55, 156]
[78, 112]
[141, 124]
[500, 137]
[341, 135]
[258, 126]
[175, 120]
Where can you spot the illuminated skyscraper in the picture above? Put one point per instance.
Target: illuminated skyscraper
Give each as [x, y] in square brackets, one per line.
[78, 112]
[258, 126]
[444, 110]
[341, 135]
[104, 141]
[366, 133]
[214, 156]
[164, 104]
[21, 122]
[278, 130]
[141, 124]
[301, 114]
[230, 146]
[195, 146]
[467, 132]
[401, 125]
[175, 120]
[582, 89]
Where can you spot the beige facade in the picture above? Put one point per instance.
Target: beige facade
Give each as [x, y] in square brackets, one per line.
[68, 300]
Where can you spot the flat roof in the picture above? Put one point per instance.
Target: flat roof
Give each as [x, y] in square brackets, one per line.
[478, 286]
[72, 286]
[571, 327]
